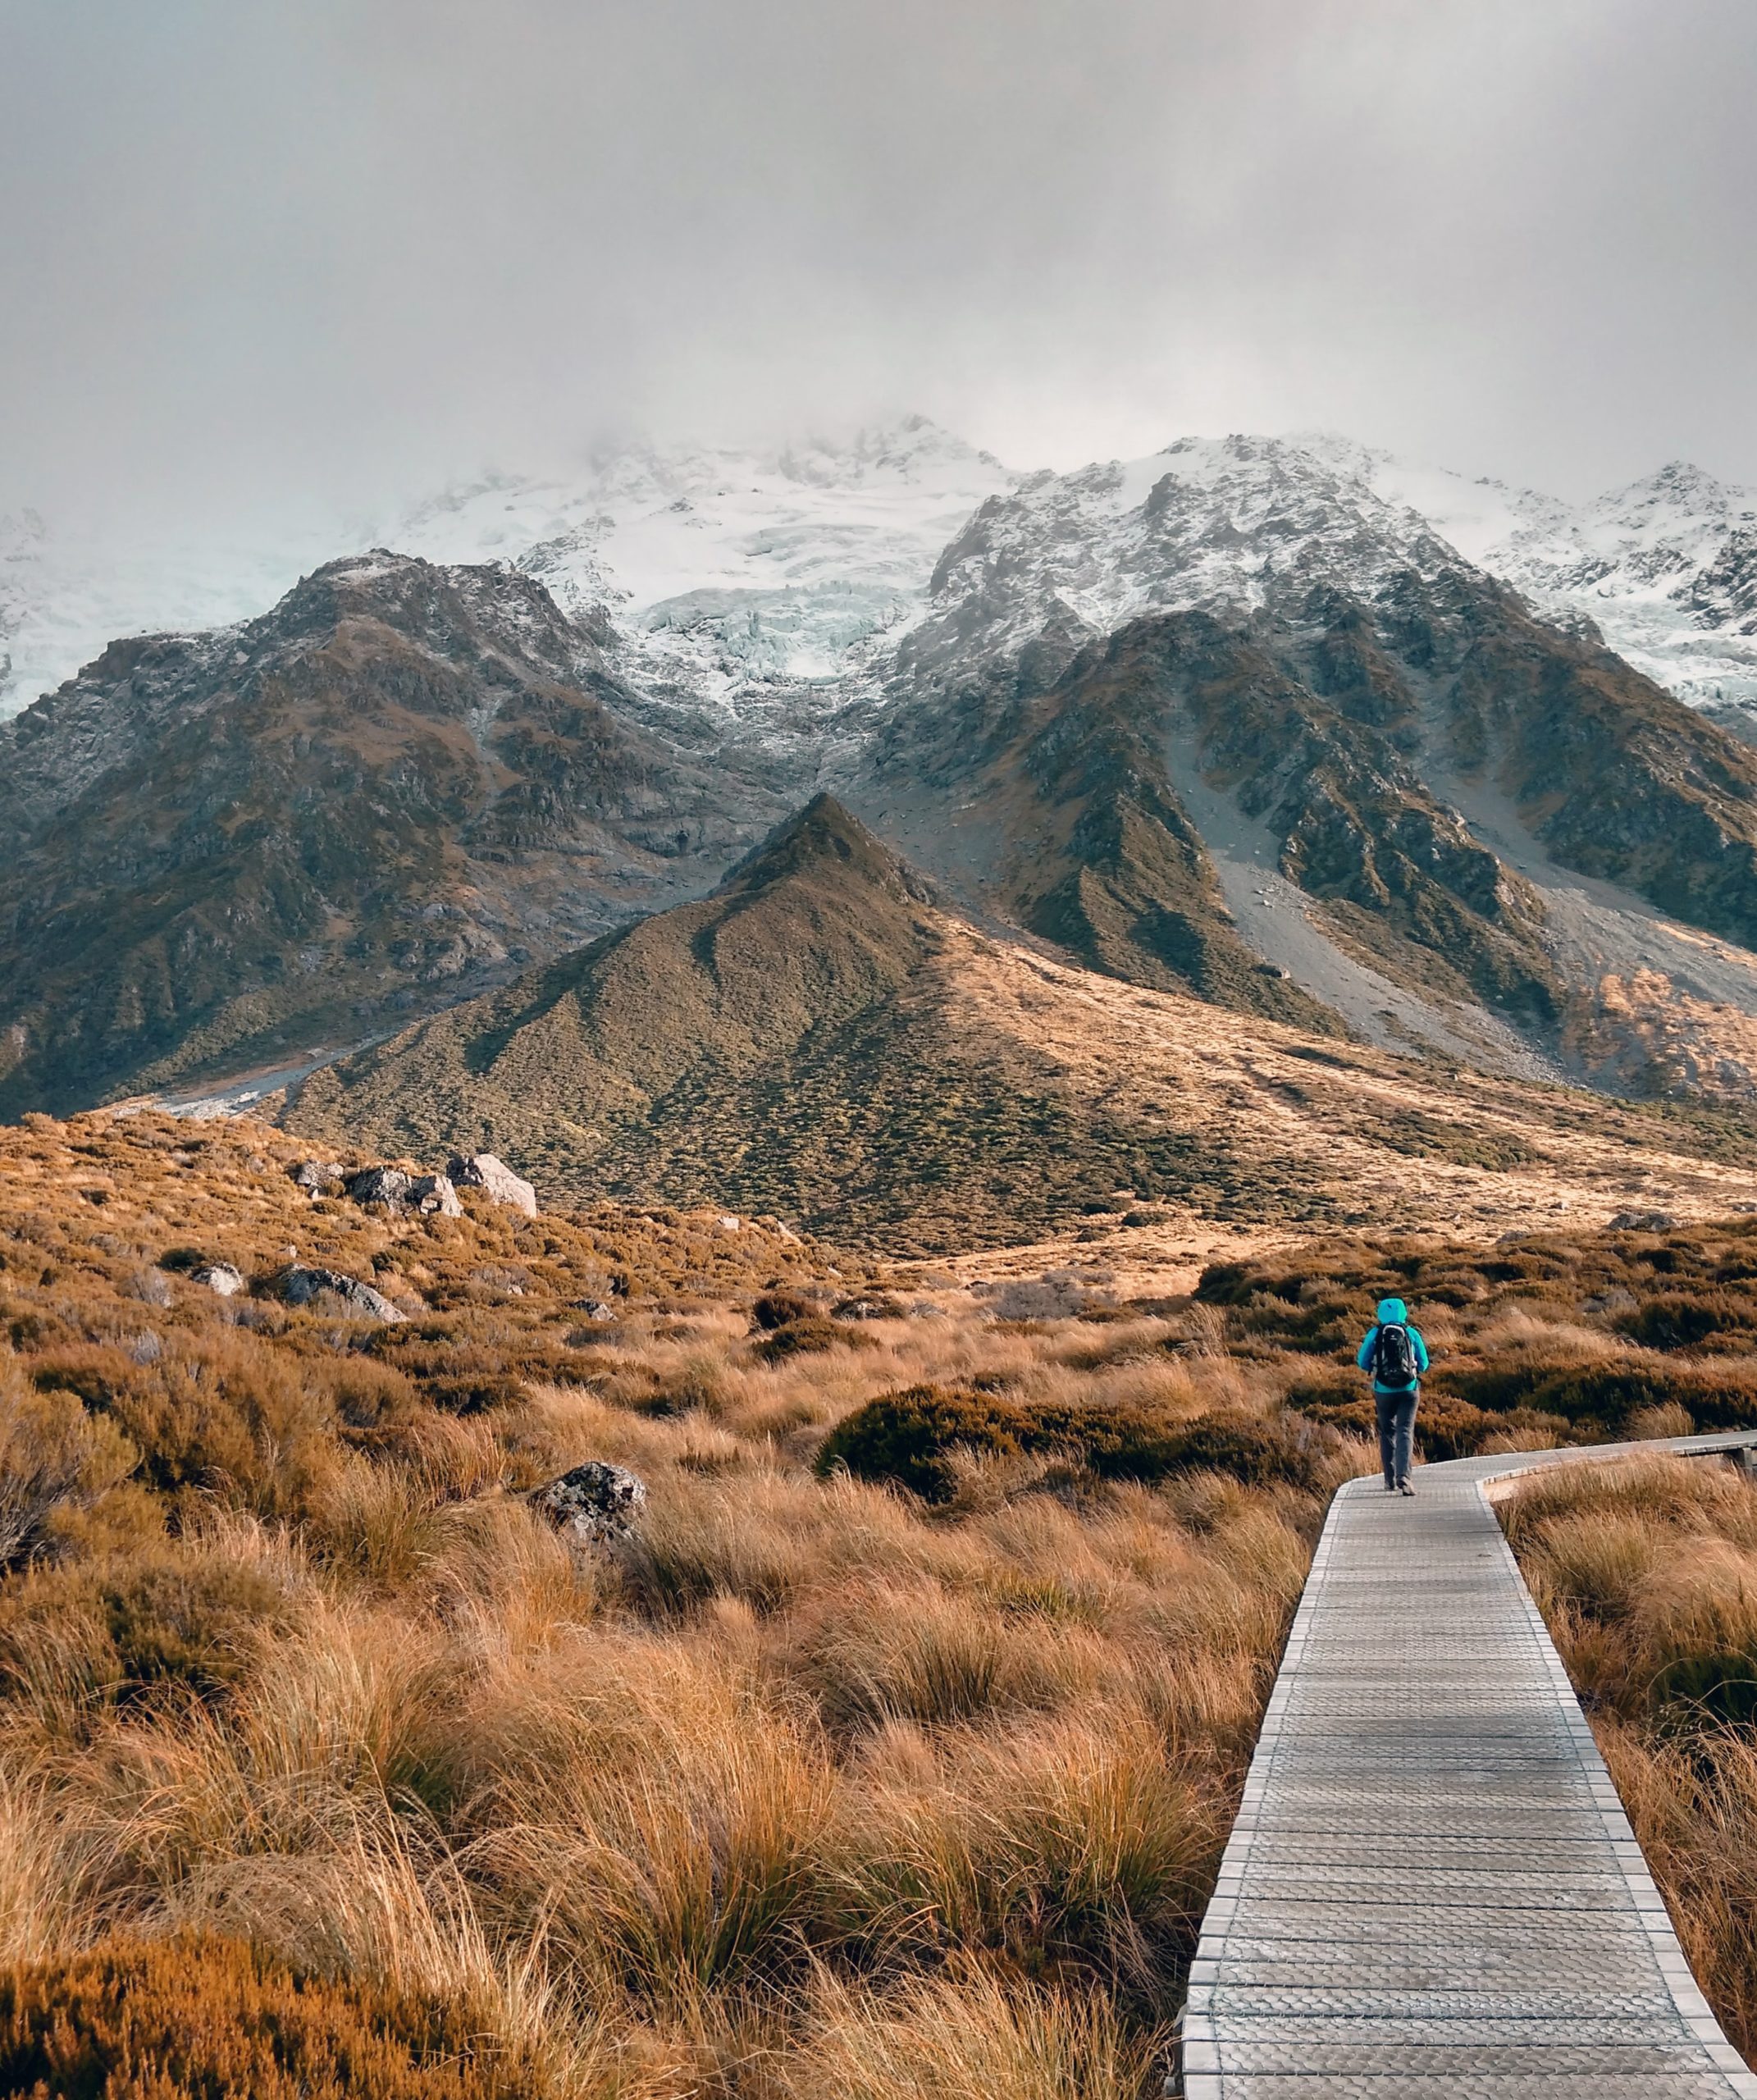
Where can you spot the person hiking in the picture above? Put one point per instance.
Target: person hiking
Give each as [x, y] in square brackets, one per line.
[1396, 1355]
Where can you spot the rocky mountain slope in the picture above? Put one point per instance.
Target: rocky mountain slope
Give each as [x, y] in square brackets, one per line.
[821, 1038]
[404, 782]
[1227, 720]
[1665, 569]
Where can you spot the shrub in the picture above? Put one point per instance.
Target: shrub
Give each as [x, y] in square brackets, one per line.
[1715, 1397]
[54, 1464]
[1597, 1399]
[809, 1337]
[780, 1308]
[1276, 1450]
[1682, 1319]
[189, 1617]
[176, 1614]
[209, 2019]
[217, 1411]
[910, 1438]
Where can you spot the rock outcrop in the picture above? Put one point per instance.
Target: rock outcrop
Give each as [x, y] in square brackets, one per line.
[595, 1504]
[482, 1170]
[435, 1195]
[301, 1286]
[386, 1186]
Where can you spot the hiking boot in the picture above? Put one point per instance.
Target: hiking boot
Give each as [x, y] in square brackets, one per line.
[1404, 1488]
[1390, 1487]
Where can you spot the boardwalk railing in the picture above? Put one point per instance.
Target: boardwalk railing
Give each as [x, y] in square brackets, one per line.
[1431, 1892]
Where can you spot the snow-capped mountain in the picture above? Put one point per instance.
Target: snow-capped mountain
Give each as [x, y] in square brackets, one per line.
[1665, 569]
[757, 584]
[734, 578]
[1115, 707]
[1209, 523]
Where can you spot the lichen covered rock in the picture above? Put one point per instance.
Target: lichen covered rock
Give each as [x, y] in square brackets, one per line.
[595, 1504]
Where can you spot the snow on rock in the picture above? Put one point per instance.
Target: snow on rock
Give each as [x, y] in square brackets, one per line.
[731, 573]
[65, 594]
[1235, 521]
[1664, 569]
[763, 588]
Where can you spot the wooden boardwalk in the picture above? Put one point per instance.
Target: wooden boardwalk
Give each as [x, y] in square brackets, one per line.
[1431, 1892]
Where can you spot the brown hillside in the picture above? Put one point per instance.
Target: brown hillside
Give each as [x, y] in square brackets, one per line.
[1462, 815]
[820, 1040]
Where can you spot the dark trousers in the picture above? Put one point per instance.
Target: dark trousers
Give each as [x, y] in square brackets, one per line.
[1396, 1413]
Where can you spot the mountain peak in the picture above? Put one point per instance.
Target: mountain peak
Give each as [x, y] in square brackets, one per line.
[1680, 488]
[823, 838]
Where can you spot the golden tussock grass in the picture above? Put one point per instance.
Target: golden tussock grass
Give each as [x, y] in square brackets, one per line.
[1646, 1570]
[810, 1786]
[807, 1787]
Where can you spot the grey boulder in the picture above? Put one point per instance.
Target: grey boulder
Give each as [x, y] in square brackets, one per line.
[434, 1196]
[387, 1185]
[300, 1286]
[482, 1170]
[595, 1504]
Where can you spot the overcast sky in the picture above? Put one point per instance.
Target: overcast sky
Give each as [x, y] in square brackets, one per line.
[266, 253]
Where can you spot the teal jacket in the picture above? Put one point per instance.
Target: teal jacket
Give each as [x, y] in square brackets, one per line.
[1393, 1312]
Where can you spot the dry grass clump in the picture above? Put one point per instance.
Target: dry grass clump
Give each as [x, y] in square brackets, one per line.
[1646, 1571]
[969, 2036]
[815, 1784]
[205, 2019]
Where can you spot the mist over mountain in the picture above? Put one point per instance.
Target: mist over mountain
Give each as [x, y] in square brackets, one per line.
[729, 572]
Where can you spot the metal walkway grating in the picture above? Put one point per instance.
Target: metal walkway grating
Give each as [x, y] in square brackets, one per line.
[1431, 1888]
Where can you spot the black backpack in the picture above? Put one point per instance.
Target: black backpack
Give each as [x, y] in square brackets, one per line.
[1394, 1364]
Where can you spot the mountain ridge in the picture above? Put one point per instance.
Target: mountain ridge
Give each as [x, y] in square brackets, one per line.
[404, 780]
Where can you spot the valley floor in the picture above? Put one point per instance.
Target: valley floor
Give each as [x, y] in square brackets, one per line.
[888, 1757]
